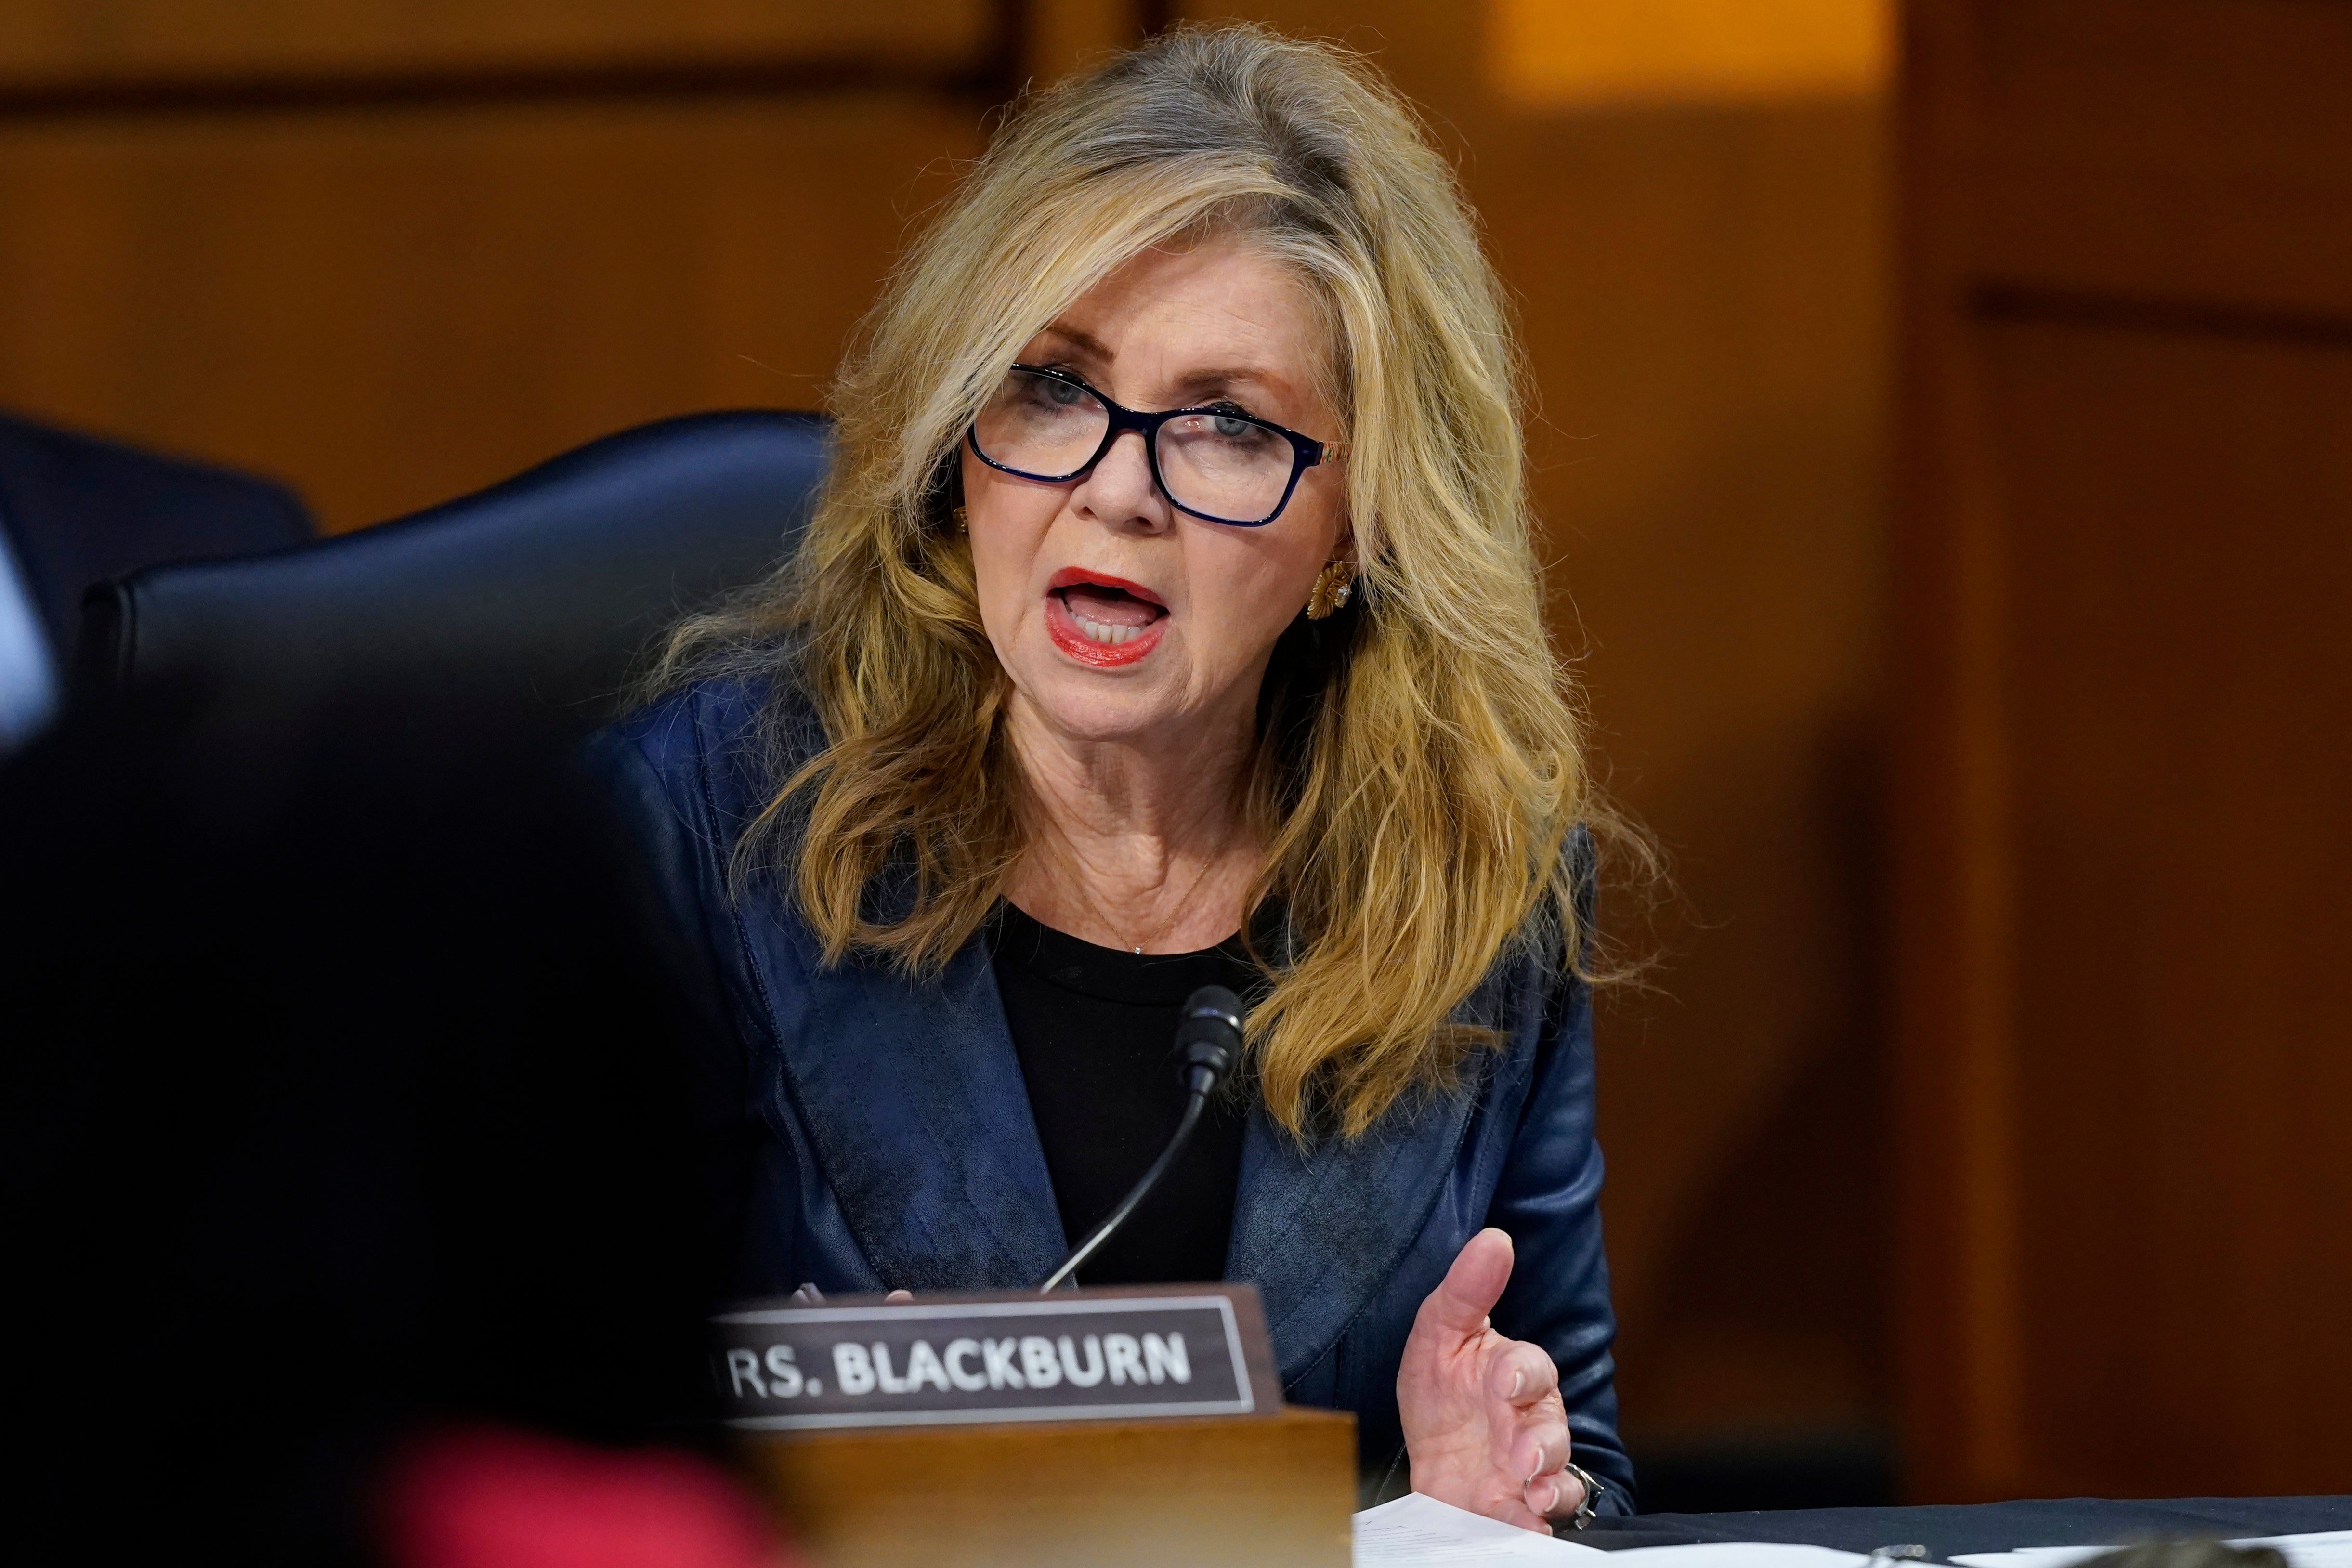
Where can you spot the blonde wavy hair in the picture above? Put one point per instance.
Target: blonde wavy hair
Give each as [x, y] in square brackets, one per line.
[1419, 769]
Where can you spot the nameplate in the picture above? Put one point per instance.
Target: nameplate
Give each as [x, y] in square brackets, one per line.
[1074, 1356]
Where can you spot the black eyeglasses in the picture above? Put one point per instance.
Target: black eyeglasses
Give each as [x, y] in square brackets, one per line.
[1219, 465]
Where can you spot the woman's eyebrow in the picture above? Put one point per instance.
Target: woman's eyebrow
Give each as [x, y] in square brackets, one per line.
[1199, 380]
[1084, 341]
[1190, 386]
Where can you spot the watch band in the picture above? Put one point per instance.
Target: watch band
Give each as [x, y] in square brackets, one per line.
[1585, 1510]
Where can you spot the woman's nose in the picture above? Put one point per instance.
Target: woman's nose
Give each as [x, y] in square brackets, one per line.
[1120, 490]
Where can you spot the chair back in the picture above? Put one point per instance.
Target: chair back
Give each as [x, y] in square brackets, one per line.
[533, 597]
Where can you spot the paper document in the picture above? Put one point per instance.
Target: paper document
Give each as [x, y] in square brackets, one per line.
[1737, 1554]
[2031, 1557]
[2327, 1549]
[1416, 1530]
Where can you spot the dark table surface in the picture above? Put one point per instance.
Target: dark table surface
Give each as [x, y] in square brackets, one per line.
[1949, 1529]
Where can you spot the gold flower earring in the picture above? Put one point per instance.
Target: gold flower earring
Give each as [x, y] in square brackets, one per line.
[963, 523]
[1333, 587]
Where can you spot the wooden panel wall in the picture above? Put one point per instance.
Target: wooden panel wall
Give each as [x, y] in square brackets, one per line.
[1551, 53]
[391, 307]
[394, 252]
[2127, 736]
[81, 49]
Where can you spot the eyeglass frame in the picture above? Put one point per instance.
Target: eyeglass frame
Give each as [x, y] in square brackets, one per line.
[1305, 451]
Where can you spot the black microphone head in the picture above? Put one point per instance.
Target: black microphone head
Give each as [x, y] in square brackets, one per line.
[1209, 1036]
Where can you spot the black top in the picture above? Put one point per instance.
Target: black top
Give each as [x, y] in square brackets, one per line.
[1094, 1028]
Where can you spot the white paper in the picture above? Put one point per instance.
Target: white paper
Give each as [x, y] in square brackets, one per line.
[2327, 1549]
[1737, 1554]
[2031, 1557]
[1414, 1530]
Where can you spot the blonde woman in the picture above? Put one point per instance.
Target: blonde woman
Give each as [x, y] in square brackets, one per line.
[1172, 617]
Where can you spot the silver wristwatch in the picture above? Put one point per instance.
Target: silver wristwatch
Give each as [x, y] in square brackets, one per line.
[1584, 1509]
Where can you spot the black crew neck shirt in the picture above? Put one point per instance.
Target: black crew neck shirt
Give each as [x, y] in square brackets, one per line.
[1094, 1028]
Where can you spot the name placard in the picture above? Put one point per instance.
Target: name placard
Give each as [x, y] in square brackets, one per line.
[1071, 1356]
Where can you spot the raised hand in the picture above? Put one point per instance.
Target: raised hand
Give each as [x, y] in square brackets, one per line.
[1484, 1426]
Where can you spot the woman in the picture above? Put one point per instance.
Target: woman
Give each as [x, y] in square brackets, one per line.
[1172, 616]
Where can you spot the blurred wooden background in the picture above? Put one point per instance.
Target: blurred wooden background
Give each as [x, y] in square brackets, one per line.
[392, 250]
[2124, 725]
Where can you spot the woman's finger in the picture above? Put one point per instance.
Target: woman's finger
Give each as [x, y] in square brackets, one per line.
[1471, 1287]
[1554, 1494]
[1539, 1447]
[1521, 1373]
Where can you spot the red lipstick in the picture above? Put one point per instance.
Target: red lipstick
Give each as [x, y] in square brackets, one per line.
[1077, 577]
[1066, 634]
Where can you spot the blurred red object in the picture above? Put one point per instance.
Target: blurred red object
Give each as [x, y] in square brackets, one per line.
[504, 1498]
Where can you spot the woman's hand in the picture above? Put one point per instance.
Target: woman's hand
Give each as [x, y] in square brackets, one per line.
[1484, 1426]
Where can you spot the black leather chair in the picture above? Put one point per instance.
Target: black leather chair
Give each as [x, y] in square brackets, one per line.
[339, 1081]
[533, 597]
[76, 509]
[79, 510]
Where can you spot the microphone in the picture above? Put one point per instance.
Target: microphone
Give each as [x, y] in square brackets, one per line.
[1210, 1033]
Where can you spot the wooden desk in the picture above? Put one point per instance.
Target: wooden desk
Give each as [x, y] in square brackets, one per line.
[1200, 1491]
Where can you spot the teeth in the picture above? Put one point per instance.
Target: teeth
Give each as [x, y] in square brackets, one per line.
[1103, 633]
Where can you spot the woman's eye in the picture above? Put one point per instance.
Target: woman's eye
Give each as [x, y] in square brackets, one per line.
[1233, 427]
[1063, 392]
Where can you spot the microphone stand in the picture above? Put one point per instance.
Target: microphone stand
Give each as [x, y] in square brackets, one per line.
[1210, 1031]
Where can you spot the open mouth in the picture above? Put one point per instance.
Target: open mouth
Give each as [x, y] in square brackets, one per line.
[1102, 620]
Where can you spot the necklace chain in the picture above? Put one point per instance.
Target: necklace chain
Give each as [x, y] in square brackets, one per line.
[1207, 865]
[1182, 904]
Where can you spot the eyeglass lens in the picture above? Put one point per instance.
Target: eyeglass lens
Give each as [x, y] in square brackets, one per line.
[1218, 464]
